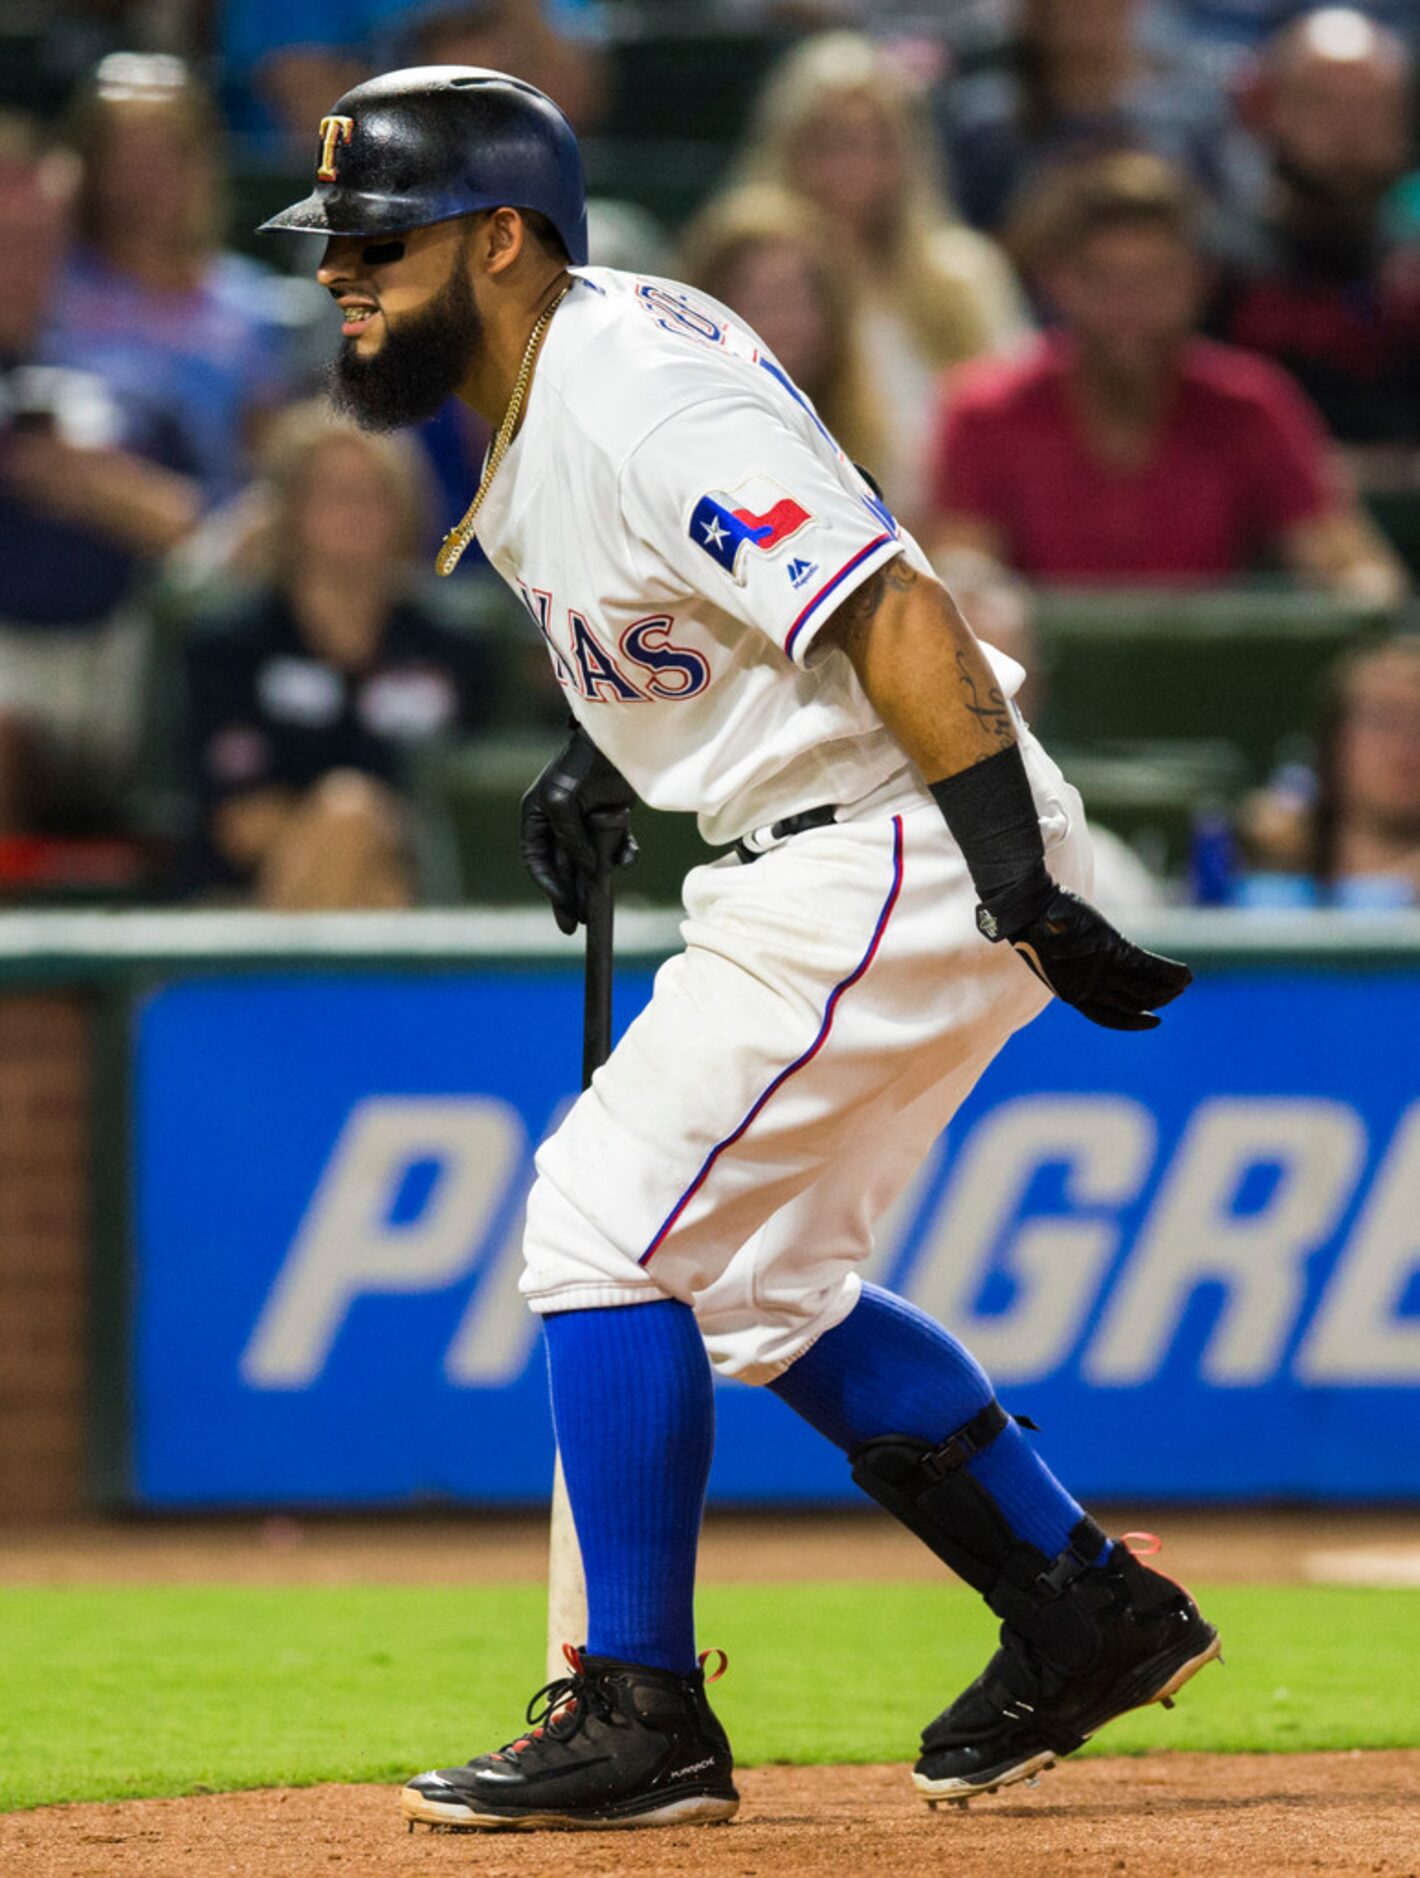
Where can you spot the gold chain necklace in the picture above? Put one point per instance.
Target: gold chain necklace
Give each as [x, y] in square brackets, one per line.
[459, 536]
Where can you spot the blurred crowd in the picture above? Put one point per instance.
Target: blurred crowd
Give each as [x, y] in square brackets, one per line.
[1107, 294]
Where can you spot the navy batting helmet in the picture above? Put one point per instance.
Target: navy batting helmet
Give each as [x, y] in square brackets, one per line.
[435, 141]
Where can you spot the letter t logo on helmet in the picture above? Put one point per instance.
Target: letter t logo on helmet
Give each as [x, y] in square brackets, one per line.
[334, 131]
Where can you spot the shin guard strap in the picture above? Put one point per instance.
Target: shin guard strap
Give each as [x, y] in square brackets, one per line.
[1087, 1541]
[933, 1493]
[967, 1442]
[929, 1488]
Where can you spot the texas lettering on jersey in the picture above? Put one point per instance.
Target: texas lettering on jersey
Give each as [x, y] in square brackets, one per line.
[645, 666]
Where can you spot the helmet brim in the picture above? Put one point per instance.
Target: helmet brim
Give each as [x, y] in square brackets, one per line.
[325, 213]
[369, 217]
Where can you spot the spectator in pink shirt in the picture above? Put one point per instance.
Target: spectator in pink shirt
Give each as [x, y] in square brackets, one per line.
[1123, 448]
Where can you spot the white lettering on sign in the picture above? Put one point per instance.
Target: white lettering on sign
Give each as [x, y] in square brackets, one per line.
[1056, 1263]
[1193, 1236]
[348, 1245]
[1358, 1334]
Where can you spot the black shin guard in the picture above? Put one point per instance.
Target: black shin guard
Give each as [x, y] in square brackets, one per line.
[932, 1492]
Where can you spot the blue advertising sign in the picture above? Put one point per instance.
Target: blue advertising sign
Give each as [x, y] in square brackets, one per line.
[1193, 1258]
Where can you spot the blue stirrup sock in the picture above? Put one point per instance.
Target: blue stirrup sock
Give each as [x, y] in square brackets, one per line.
[889, 1369]
[635, 1418]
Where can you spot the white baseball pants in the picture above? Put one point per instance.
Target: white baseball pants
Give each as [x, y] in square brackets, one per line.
[833, 1007]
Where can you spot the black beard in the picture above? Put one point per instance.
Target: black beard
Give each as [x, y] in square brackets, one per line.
[422, 362]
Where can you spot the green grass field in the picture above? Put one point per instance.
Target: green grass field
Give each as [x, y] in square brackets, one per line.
[119, 1692]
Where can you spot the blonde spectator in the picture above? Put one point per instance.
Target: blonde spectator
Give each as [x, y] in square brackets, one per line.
[840, 123]
[771, 258]
[309, 693]
[149, 289]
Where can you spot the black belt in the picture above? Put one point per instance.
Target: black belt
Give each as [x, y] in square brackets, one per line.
[792, 825]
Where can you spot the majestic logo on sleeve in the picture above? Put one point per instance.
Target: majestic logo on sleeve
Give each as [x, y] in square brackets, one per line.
[334, 131]
[758, 515]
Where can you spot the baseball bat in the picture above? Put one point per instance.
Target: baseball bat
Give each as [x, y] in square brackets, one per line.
[566, 1582]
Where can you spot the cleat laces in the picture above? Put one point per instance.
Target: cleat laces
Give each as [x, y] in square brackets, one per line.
[566, 1704]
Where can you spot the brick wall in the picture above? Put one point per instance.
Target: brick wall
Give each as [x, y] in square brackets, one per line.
[44, 1212]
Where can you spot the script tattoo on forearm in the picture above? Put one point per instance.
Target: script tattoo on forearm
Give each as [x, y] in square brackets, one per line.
[993, 714]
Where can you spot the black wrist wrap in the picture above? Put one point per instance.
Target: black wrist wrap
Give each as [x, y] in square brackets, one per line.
[992, 815]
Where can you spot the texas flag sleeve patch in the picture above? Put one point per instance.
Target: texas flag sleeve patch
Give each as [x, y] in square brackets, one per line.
[757, 517]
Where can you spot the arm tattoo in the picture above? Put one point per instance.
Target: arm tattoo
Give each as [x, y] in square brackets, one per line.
[852, 620]
[994, 714]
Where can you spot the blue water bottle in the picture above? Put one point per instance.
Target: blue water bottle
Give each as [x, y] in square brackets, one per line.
[1212, 857]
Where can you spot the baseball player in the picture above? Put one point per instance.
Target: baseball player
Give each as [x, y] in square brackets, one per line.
[742, 629]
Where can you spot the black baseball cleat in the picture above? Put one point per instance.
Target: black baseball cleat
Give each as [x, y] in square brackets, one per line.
[1115, 1637]
[613, 1744]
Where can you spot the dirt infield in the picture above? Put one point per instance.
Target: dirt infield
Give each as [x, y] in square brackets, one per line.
[1168, 1816]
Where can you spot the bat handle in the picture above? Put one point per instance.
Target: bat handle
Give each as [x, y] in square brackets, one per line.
[608, 833]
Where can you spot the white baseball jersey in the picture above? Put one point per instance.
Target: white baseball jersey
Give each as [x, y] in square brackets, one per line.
[680, 526]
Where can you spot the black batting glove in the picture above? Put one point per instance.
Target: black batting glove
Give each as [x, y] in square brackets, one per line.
[578, 810]
[1071, 948]
[1075, 951]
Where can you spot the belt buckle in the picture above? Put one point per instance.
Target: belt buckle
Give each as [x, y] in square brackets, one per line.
[771, 835]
